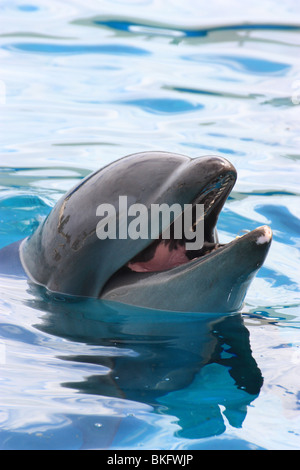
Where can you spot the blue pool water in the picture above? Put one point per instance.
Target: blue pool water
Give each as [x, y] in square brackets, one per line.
[83, 83]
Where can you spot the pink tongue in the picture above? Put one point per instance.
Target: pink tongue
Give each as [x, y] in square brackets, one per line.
[162, 260]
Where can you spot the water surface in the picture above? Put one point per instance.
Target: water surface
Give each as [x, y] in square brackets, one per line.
[82, 86]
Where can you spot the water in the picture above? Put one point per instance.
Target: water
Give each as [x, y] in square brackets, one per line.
[82, 84]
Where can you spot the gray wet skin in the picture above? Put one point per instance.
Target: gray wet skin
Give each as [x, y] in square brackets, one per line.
[65, 255]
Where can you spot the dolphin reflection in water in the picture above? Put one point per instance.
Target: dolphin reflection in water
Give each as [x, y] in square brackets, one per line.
[182, 365]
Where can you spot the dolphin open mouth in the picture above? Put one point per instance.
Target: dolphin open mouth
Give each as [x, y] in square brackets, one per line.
[165, 254]
[165, 260]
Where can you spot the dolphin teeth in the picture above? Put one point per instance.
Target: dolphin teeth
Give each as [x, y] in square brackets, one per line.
[243, 233]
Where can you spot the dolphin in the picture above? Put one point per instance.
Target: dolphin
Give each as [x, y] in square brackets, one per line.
[66, 256]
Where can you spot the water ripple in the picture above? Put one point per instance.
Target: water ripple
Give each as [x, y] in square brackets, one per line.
[47, 48]
[245, 64]
[164, 105]
[162, 29]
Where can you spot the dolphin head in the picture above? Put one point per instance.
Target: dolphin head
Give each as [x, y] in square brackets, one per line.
[66, 255]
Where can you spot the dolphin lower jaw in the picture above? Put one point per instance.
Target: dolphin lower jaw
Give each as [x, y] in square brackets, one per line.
[227, 271]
